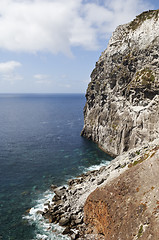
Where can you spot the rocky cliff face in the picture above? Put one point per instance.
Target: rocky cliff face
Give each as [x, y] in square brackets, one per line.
[122, 108]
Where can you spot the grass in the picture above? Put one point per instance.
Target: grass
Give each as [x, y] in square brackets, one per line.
[141, 159]
[137, 152]
[142, 17]
[140, 232]
[144, 78]
[124, 165]
[135, 163]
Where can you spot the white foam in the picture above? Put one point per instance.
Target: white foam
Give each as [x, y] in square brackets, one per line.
[44, 122]
[44, 229]
[97, 167]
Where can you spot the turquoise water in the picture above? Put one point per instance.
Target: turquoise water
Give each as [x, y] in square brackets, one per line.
[40, 145]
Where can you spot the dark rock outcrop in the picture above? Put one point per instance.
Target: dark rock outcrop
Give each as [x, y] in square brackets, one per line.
[122, 107]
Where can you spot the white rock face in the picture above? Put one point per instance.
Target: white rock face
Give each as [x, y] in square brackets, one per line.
[122, 108]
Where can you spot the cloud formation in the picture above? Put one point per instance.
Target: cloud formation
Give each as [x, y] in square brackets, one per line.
[8, 71]
[42, 78]
[57, 25]
[10, 66]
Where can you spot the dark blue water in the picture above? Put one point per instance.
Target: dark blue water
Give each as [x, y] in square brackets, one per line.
[40, 145]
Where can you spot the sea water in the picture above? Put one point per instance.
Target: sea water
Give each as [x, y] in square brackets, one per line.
[40, 145]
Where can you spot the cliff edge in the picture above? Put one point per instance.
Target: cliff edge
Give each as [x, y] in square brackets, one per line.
[122, 107]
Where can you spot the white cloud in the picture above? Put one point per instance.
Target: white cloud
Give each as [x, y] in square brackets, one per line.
[56, 25]
[65, 86]
[9, 66]
[42, 78]
[8, 71]
[11, 77]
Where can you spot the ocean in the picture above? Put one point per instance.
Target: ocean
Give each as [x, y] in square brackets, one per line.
[40, 145]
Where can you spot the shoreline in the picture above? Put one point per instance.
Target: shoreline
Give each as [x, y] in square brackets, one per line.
[66, 207]
[107, 152]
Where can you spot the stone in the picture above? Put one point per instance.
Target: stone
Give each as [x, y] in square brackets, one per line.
[101, 181]
[47, 215]
[59, 191]
[39, 212]
[78, 221]
[54, 208]
[56, 198]
[74, 236]
[53, 187]
[64, 221]
[67, 231]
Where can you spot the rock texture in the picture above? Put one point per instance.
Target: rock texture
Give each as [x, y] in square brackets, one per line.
[122, 107]
[127, 208]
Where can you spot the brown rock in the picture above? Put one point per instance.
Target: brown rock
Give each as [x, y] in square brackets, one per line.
[64, 221]
[67, 231]
[128, 207]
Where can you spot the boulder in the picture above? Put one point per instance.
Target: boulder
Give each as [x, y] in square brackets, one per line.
[64, 221]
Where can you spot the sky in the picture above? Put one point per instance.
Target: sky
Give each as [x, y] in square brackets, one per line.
[51, 46]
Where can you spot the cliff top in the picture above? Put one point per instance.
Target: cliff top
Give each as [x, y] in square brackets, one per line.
[142, 17]
[143, 31]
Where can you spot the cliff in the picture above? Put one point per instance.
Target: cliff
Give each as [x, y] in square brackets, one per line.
[122, 107]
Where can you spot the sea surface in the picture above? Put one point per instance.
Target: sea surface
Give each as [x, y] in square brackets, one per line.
[40, 145]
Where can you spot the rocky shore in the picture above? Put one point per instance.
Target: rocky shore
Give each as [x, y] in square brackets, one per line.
[68, 203]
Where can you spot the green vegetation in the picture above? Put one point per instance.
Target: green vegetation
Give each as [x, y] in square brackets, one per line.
[142, 17]
[129, 58]
[141, 159]
[124, 165]
[97, 86]
[140, 232]
[135, 163]
[137, 152]
[144, 77]
[114, 126]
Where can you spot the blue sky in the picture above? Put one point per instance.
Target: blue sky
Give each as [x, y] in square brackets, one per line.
[51, 46]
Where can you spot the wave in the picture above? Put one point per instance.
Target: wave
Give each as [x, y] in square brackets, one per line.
[95, 167]
[44, 229]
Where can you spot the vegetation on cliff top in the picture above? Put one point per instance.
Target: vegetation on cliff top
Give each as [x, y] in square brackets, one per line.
[142, 17]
